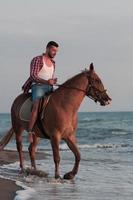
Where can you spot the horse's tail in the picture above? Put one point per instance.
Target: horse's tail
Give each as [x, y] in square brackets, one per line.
[4, 141]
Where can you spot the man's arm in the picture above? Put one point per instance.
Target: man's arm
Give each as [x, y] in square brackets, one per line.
[34, 70]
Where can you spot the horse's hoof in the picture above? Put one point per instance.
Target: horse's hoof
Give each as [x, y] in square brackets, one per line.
[57, 177]
[33, 169]
[22, 171]
[69, 176]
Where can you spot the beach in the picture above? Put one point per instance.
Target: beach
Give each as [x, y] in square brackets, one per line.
[8, 187]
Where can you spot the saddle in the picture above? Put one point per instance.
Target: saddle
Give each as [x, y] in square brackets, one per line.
[26, 107]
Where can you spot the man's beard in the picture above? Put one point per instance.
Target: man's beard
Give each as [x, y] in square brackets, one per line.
[51, 56]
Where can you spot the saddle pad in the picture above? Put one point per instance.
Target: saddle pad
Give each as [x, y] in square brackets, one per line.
[25, 110]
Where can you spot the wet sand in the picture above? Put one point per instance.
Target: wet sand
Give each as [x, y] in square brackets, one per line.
[8, 188]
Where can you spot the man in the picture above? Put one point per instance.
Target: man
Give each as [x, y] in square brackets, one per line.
[41, 80]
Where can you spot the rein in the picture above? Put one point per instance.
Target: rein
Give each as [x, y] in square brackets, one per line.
[61, 85]
[87, 91]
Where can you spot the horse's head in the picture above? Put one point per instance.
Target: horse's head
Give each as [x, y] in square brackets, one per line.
[95, 88]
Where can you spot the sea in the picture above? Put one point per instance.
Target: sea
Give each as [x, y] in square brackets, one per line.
[105, 140]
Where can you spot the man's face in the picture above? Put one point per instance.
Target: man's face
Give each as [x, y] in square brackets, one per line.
[52, 51]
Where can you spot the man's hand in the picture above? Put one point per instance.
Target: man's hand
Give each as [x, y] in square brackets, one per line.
[52, 81]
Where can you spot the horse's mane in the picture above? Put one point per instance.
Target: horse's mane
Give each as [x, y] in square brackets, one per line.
[68, 81]
[84, 71]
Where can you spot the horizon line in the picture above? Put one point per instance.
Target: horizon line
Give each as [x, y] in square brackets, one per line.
[89, 111]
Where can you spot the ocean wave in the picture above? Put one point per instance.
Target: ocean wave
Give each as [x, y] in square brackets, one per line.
[88, 120]
[25, 194]
[99, 132]
[104, 146]
[120, 131]
[9, 172]
[88, 146]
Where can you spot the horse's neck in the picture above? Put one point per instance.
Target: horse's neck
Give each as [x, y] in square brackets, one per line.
[74, 97]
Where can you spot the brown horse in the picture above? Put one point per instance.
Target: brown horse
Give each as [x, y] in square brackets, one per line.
[60, 117]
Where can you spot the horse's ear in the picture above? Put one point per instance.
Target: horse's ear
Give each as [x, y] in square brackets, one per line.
[91, 67]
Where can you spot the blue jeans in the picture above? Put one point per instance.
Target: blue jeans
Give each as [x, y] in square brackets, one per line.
[40, 90]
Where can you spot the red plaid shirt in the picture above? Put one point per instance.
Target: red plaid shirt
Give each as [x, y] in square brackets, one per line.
[35, 67]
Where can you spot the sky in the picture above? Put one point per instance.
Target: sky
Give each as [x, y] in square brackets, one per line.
[86, 30]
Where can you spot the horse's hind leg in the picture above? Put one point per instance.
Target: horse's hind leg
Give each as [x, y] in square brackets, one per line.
[32, 151]
[18, 135]
[71, 142]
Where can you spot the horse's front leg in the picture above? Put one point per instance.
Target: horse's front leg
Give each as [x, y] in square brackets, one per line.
[55, 140]
[71, 142]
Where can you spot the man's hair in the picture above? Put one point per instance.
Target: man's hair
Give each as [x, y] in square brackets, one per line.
[52, 43]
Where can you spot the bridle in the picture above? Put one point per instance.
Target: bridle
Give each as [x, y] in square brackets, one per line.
[98, 93]
[88, 91]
